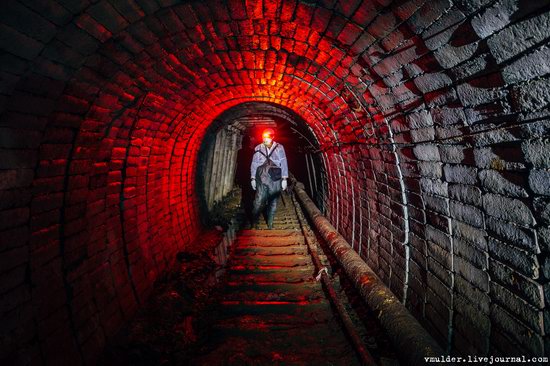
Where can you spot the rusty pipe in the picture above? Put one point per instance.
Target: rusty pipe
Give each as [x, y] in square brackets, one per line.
[407, 335]
[362, 351]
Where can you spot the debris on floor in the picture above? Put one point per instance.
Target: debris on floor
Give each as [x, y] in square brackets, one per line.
[249, 298]
[170, 327]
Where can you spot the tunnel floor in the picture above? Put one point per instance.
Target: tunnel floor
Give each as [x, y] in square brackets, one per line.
[271, 308]
[266, 307]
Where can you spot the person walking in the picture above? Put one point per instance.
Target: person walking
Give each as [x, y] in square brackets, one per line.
[268, 174]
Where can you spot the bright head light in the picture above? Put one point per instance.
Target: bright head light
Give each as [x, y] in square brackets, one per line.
[268, 134]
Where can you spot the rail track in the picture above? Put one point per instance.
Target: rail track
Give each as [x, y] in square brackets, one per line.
[278, 304]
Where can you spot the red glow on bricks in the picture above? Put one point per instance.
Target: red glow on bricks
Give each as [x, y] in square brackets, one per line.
[234, 302]
[280, 302]
[238, 268]
[105, 107]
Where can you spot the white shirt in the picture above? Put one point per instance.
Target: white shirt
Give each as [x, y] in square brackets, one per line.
[278, 157]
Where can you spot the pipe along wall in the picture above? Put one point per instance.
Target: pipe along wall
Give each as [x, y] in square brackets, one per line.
[430, 120]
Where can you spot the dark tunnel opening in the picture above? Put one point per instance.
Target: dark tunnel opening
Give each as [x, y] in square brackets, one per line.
[226, 153]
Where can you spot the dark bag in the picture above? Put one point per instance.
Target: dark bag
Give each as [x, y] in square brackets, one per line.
[265, 183]
[273, 171]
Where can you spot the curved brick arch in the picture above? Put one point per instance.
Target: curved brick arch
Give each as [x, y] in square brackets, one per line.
[431, 120]
[185, 178]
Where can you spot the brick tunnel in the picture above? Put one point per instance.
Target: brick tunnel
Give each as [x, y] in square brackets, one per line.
[419, 128]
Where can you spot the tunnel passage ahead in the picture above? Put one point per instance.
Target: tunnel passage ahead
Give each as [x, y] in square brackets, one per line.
[228, 148]
[431, 119]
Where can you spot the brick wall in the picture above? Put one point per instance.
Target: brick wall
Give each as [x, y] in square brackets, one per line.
[445, 200]
[431, 115]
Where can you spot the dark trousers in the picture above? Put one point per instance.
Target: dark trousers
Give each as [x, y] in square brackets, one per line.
[264, 199]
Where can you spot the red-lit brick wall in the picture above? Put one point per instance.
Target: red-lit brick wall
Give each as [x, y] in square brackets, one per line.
[432, 118]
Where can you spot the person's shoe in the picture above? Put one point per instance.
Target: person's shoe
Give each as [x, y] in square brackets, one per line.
[270, 225]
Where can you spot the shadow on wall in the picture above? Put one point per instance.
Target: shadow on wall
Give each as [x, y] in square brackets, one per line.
[243, 176]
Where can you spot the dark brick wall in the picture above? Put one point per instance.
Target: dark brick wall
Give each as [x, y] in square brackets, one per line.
[433, 122]
[447, 197]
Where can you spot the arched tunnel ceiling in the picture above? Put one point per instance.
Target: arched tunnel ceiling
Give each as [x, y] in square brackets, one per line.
[250, 117]
[431, 118]
[208, 56]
